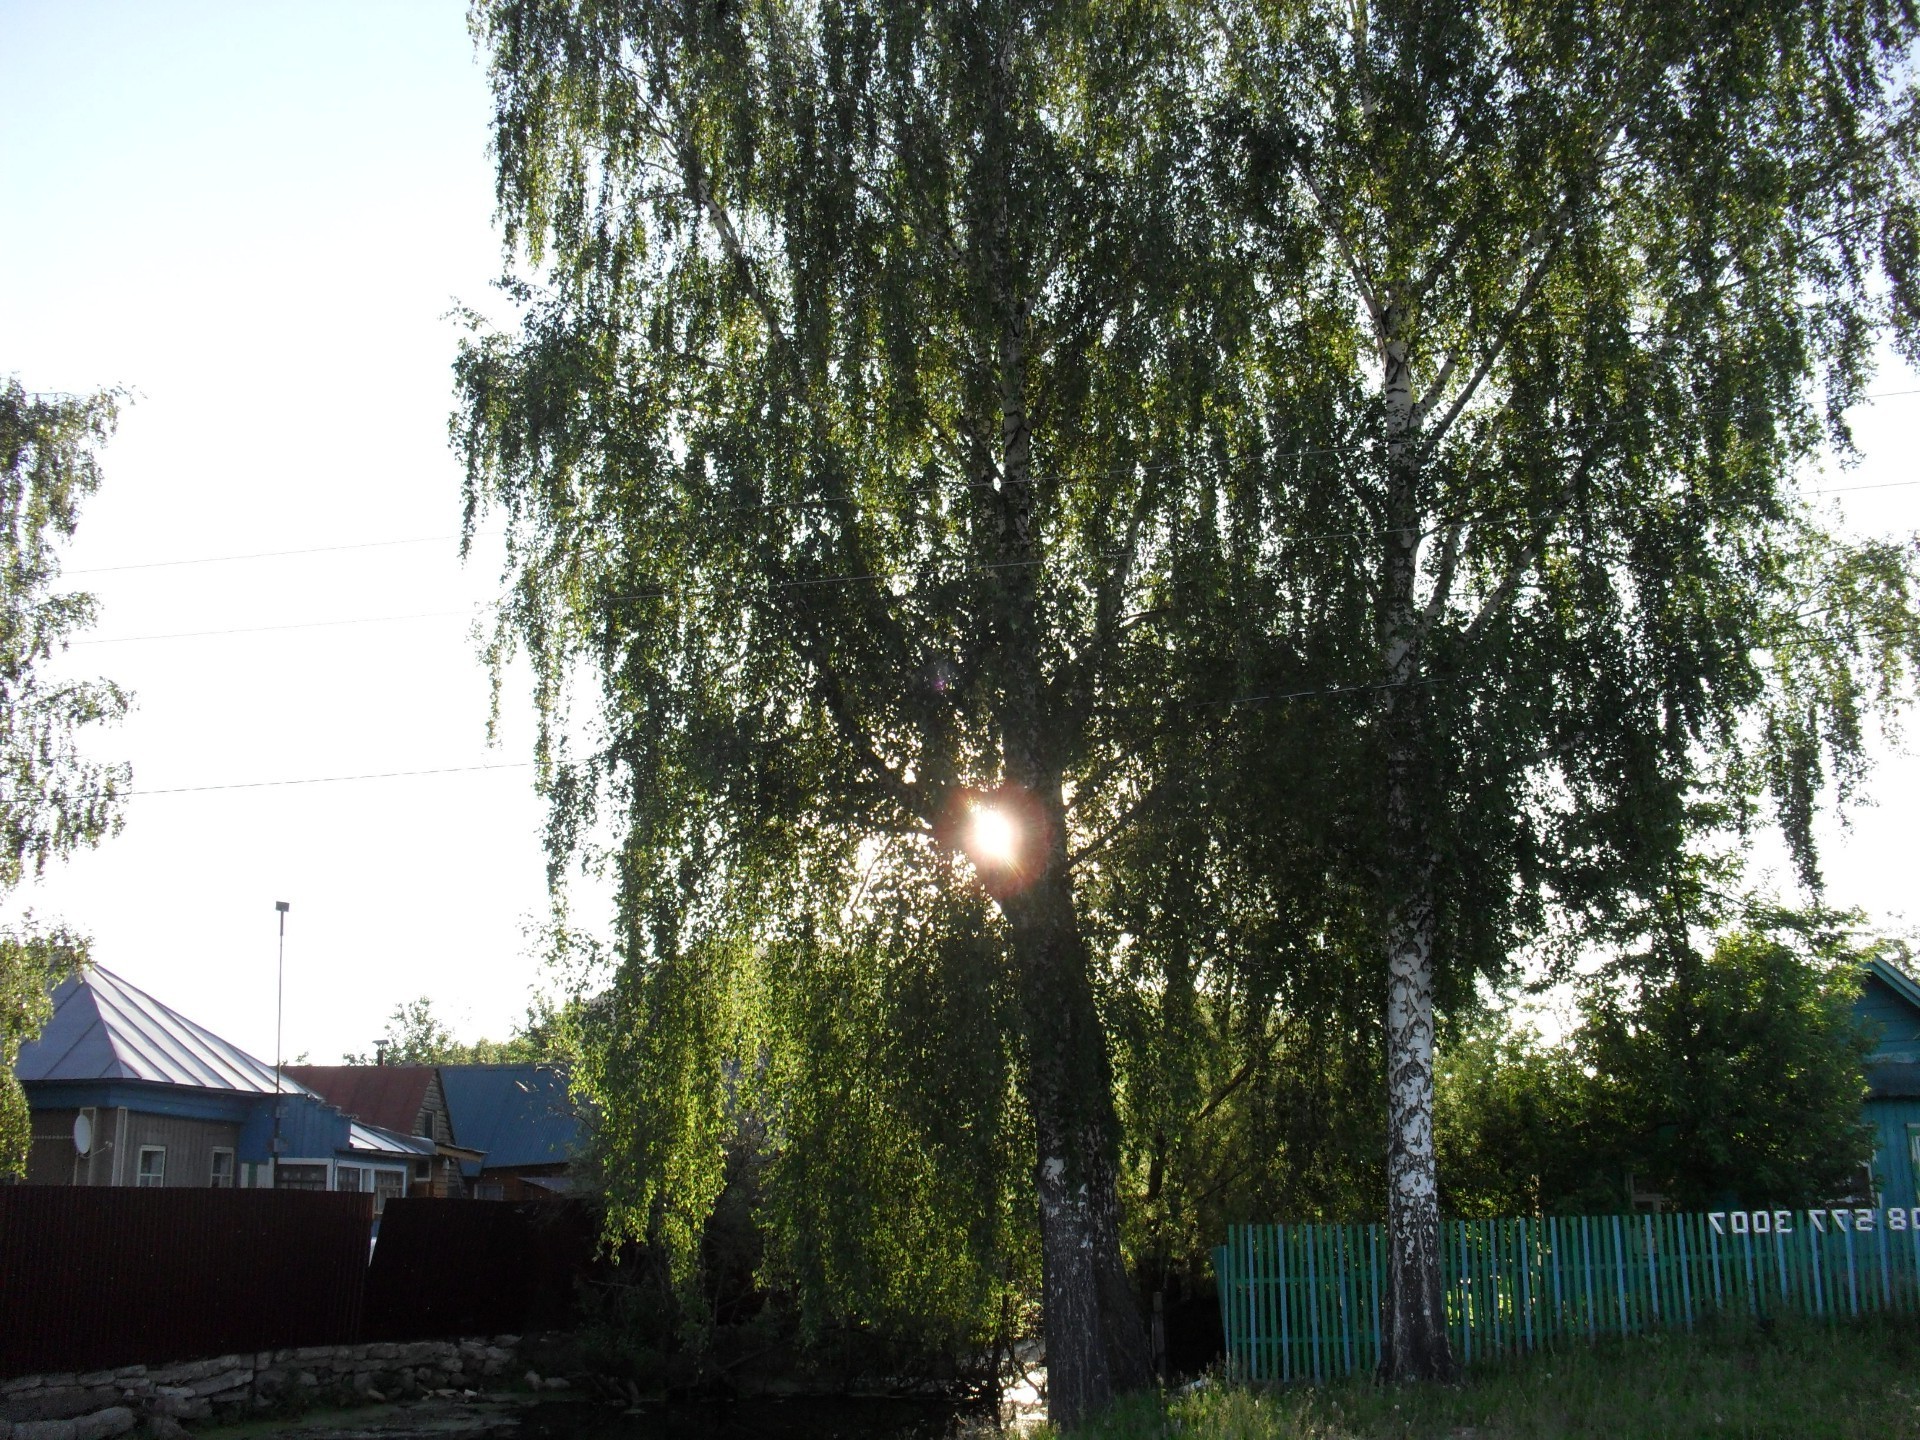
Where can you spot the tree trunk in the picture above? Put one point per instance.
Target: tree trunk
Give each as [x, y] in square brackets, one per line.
[1416, 1330]
[1096, 1343]
[1417, 1347]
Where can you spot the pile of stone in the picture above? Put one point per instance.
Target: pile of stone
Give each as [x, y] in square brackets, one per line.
[104, 1403]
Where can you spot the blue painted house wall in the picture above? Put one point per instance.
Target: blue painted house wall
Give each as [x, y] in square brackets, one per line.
[1889, 1004]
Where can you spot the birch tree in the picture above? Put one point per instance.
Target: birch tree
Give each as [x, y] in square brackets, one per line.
[1583, 285]
[861, 347]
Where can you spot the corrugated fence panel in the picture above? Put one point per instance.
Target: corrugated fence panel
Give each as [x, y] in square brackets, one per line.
[91, 1278]
[1302, 1302]
[478, 1267]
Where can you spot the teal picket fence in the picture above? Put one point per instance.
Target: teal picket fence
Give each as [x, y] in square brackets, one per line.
[1302, 1302]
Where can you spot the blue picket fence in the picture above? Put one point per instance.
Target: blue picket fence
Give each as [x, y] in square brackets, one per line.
[1303, 1302]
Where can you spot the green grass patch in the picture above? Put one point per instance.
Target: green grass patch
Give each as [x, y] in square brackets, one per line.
[1794, 1381]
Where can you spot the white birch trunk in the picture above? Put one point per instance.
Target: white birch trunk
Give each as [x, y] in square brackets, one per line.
[1415, 1329]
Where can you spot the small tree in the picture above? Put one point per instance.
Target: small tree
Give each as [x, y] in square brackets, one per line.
[1720, 1073]
[53, 799]
[1733, 1075]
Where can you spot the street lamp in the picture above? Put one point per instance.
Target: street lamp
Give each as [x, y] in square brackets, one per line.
[279, 1016]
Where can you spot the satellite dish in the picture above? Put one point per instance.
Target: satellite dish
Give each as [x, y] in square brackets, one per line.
[83, 1133]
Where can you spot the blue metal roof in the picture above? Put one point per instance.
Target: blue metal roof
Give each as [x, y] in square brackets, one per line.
[105, 1029]
[518, 1114]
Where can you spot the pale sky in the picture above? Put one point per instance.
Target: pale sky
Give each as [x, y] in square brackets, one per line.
[257, 216]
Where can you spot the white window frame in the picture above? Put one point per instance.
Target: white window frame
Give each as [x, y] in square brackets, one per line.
[156, 1179]
[359, 1174]
[394, 1173]
[217, 1181]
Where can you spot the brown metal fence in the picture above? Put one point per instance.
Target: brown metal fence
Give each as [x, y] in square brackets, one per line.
[91, 1278]
[478, 1267]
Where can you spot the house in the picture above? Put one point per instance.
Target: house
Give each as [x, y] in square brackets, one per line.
[1890, 1005]
[124, 1090]
[524, 1120]
[403, 1098]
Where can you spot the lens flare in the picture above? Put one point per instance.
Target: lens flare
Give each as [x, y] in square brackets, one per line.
[992, 838]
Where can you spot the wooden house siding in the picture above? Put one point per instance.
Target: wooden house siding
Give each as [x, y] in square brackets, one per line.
[1893, 1150]
[1893, 1023]
[432, 1120]
[119, 1134]
[52, 1160]
[189, 1145]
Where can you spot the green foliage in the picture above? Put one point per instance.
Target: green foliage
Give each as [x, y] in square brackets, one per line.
[32, 963]
[415, 1035]
[53, 799]
[1719, 1078]
[1736, 1074]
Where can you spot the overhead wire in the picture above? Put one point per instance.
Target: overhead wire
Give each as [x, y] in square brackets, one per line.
[1357, 447]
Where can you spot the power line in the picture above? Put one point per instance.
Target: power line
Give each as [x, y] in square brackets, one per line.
[309, 780]
[1845, 489]
[262, 555]
[1357, 447]
[270, 629]
[301, 780]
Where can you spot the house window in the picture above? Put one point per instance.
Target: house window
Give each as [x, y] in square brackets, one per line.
[299, 1177]
[222, 1171]
[153, 1166]
[1913, 1154]
[349, 1177]
[387, 1184]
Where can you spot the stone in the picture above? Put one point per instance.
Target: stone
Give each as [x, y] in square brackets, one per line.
[506, 1341]
[25, 1382]
[180, 1403]
[165, 1427]
[43, 1430]
[533, 1379]
[381, 1351]
[97, 1377]
[307, 1380]
[224, 1381]
[55, 1402]
[103, 1424]
[556, 1382]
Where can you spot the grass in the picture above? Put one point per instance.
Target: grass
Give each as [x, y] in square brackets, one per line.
[1798, 1381]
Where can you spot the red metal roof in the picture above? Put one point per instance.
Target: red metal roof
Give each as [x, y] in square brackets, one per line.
[389, 1096]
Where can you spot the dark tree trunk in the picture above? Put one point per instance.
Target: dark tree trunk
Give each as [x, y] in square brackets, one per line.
[1096, 1343]
[1095, 1340]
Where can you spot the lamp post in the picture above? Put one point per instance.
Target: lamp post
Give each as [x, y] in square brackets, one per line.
[279, 1015]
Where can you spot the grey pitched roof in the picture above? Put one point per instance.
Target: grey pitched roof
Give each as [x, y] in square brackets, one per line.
[105, 1029]
[387, 1142]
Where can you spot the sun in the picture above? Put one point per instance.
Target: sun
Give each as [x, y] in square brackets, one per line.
[993, 838]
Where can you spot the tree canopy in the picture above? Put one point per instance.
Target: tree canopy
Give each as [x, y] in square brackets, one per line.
[1320, 479]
